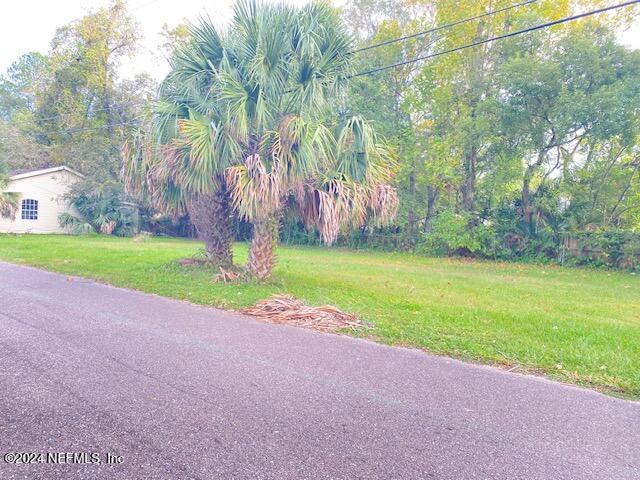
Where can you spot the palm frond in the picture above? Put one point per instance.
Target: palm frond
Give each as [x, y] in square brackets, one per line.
[74, 225]
[256, 192]
[8, 200]
[8, 205]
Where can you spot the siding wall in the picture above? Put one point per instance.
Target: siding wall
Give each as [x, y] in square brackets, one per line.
[48, 189]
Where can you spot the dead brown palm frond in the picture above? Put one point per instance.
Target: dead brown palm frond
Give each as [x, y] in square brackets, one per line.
[359, 203]
[384, 204]
[256, 193]
[108, 227]
[337, 203]
[317, 209]
[138, 154]
[357, 186]
[287, 132]
[328, 220]
[8, 205]
[151, 171]
[8, 200]
[287, 310]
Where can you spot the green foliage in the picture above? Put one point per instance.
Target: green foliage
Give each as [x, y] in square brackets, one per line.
[102, 208]
[453, 234]
[20, 86]
[612, 248]
[243, 115]
[526, 138]
[529, 139]
[69, 106]
[74, 225]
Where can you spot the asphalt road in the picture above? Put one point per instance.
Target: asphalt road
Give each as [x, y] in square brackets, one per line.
[184, 392]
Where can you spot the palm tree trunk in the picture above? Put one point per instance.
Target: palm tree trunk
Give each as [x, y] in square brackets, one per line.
[211, 215]
[262, 252]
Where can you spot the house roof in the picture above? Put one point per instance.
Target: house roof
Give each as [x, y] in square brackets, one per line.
[43, 171]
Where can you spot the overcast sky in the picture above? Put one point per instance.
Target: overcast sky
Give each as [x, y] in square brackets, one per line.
[29, 25]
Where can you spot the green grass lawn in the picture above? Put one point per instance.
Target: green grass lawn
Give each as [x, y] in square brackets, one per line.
[577, 325]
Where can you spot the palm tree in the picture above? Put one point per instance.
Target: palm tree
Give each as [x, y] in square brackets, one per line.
[172, 163]
[280, 162]
[333, 180]
[8, 200]
[241, 119]
[223, 94]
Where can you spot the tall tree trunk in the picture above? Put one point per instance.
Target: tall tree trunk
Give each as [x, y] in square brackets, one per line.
[262, 252]
[432, 196]
[469, 184]
[528, 210]
[411, 214]
[211, 215]
[113, 150]
[527, 206]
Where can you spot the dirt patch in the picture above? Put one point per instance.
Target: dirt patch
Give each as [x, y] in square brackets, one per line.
[193, 262]
[287, 310]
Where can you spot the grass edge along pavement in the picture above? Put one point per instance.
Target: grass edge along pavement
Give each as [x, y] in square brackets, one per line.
[577, 325]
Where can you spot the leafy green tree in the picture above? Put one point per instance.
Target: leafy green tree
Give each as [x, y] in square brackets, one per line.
[457, 154]
[382, 96]
[20, 85]
[566, 108]
[80, 108]
[19, 150]
[69, 106]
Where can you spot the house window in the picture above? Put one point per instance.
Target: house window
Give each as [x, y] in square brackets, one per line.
[29, 209]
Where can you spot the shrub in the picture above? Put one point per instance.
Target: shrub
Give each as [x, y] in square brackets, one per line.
[454, 234]
[613, 248]
[102, 208]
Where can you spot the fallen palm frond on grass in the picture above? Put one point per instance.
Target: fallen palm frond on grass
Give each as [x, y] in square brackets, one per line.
[286, 310]
[231, 275]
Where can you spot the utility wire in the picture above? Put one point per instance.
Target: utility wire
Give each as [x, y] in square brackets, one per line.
[499, 37]
[444, 27]
[437, 54]
[131, 122]
[93, 110]
[369, 47]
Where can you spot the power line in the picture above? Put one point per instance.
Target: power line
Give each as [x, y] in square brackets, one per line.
[93, 110]
[131, 122]
[499, 37]
[369, 47]
[425, 57]
[444, 27]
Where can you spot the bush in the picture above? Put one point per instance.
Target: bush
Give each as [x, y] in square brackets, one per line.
[102, 208]
[454, 234]
[612, 248]
[503, 236]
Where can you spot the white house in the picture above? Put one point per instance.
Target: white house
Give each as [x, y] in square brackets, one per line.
[41, 200]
